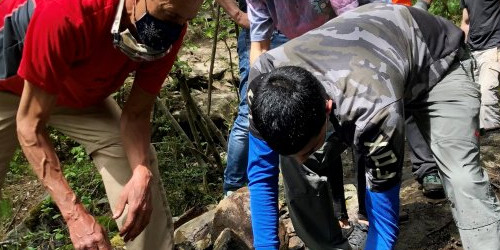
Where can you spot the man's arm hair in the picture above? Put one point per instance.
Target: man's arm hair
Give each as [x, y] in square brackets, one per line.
[232, 9]
[464, 25]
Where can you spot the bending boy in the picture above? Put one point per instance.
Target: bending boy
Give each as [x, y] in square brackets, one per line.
[360, 73]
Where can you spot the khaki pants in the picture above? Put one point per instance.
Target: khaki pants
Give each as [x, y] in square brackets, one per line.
[98, 129]
[487, 75]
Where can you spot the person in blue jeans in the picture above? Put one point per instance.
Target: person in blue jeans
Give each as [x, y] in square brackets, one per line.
[235, 175]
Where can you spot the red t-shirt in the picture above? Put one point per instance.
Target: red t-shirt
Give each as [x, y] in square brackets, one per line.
[68, 51]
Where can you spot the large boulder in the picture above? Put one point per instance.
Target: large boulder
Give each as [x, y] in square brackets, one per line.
[234, 213]
[195, 234]
[228, 240]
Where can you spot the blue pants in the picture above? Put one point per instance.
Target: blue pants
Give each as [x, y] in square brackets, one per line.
[235, 174]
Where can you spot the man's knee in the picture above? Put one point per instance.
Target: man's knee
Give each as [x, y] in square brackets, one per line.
[469, 180]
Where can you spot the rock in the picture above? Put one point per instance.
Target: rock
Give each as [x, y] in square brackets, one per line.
[195, 233]
[295, 243]
[224, 105]
[228, 240]
[184, 246]
[188, 215]
[283, 235]
[234, 213]
[199, 61]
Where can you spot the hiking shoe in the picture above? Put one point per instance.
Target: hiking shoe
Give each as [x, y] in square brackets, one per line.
[357, 238]
[432, 187]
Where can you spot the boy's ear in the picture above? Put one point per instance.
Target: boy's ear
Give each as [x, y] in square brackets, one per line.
[329, 106]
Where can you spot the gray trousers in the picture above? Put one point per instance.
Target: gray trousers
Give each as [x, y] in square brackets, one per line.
[448, 117]
[422, 160]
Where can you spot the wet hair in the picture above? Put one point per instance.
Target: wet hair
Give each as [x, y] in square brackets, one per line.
[288, 108]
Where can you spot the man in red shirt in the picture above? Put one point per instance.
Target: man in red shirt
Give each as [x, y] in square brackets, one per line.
[59, 62]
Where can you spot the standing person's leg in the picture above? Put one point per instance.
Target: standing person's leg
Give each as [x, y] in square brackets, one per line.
[487, 75]
[235, 174]
[450, 123]
[8, 142]
[424, 166]
[98, 130]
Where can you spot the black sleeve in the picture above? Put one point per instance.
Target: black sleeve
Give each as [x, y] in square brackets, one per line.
[381, 148]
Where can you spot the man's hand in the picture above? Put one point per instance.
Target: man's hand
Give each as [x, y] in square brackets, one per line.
[137, 194]
[241, 18]
[86, 233]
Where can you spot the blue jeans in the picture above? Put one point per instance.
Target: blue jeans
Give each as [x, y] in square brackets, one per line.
[235, 174]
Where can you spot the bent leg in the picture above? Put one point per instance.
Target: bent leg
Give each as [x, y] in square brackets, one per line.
[98, 130]
[450, 121]
[8, 142]
[421, 157]
[235, 174]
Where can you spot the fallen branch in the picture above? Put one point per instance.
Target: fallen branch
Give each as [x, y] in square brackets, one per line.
[202, 120]
[179, 129]
[212, 127]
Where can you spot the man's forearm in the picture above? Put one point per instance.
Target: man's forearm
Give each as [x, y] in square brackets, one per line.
[464, 24]
[33, 113]
[136, 138]
[136, 128]
[258, 48]
[45, 164]
[230, 7]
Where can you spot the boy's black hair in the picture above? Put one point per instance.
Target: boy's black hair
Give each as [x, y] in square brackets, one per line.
[288, 108]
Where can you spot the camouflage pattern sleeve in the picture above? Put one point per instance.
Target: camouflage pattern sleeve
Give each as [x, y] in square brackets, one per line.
[381, 143]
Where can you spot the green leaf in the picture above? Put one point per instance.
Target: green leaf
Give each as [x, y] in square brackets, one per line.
[5, 208]
[59, 236]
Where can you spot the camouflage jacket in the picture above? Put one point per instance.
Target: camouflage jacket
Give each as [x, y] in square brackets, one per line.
[369, 59]
[374, 62]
